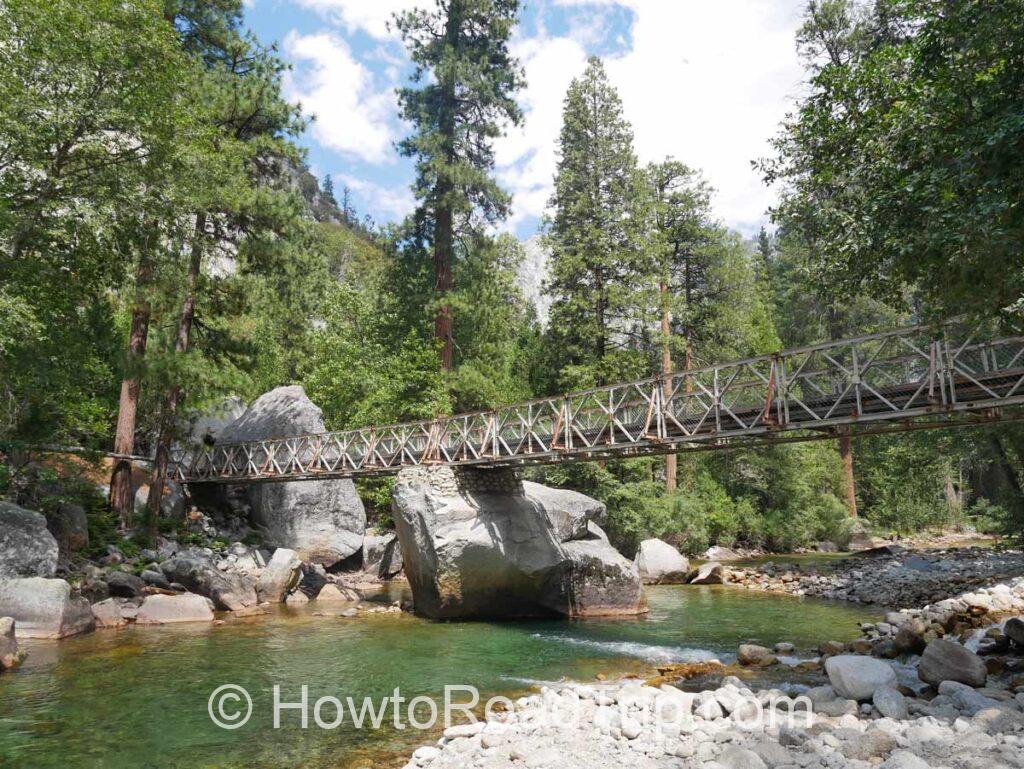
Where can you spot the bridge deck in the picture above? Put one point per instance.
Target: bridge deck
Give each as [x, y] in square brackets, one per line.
[900, 380]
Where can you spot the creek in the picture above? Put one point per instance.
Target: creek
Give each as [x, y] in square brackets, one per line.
[137, 697]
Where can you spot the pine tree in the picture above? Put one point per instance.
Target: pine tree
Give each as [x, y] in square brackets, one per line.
[462, 94]
[240, 209]
[680, 217]
[600, 262]
[328, 188]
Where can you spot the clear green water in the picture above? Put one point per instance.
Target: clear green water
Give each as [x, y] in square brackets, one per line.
[137, 698]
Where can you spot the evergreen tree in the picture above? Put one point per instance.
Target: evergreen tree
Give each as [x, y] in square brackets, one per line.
[600, 260]
[680, 217]
[328, 189]
[462, 94]
[246, 208]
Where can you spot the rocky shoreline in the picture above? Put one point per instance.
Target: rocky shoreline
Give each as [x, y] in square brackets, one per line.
[889, 575]
[951, 696]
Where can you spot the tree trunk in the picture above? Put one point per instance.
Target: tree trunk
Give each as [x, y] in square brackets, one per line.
[687, 365]
[122, 501]
[169, 415]
[443, 240]
[601, 343]
[444, 229]
[666, 372]
[846, 452]
[952, 496]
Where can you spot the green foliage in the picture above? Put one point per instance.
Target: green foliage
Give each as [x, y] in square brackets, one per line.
[902, 480]
[461, 98]
[93, 99]
[359, 378]
[902, 164]
[597, 234]
[987, 518]
[495, 327]
[376, 496]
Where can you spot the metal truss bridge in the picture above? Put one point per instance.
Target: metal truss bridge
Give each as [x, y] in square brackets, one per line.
[907, 379]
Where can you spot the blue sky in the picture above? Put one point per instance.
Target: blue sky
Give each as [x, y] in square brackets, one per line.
[705, 81]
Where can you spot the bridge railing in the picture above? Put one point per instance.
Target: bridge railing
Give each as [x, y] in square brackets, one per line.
[895, 376]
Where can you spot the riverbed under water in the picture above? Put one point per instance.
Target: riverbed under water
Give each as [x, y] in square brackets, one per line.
[135, 698]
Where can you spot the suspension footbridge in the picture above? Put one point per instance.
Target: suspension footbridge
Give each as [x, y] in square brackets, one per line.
[911, 378]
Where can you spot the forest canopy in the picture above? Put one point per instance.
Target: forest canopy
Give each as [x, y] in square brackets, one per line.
[163, 245]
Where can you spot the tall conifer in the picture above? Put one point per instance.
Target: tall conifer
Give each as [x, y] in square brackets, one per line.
[462, 95]
[600, 261]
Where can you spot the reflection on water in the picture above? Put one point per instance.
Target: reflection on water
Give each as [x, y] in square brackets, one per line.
[138, 697]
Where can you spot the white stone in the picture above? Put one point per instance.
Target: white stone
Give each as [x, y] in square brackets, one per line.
[709, 709]
[740, 758]
[658, 560]
[631, 728]
[44, 608]
[857, 677]
[169, 609]
[463, 730]
[425, 753]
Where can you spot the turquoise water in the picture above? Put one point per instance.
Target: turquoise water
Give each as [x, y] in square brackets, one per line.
[137, 697]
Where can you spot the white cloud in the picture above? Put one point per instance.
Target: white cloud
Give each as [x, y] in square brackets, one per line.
[392, 202]
[705, 82]
[352, 116]
[370, 16]
[525, 156]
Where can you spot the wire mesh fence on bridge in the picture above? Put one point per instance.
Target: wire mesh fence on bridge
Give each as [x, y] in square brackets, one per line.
[906, 379]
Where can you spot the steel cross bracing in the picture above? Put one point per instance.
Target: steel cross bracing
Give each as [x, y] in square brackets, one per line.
[906, 379]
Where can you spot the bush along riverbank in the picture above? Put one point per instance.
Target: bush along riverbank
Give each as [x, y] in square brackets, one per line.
[953, 698]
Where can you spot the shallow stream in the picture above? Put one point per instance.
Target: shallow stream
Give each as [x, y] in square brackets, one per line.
[138, 697]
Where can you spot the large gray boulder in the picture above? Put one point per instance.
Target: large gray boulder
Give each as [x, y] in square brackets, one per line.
[658, 561]
[172, 501]
[229, 591]
[945, 660]
[280, 577]
[168, 609]
[890, 703]
[568, 510]
[719, 553]
[966, 699]
[27, 548]
[70, 527]
[44, 608]
[323, 521]
[855, 677]
[602, 582]
[475, 545]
